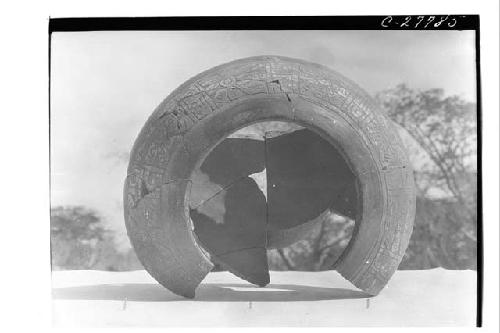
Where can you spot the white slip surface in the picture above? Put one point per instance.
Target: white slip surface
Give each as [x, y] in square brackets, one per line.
[434, 297]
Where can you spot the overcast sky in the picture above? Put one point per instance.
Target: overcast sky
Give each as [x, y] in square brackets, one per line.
[105, 84]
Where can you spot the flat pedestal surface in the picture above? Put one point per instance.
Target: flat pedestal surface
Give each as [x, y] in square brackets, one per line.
[434, 297]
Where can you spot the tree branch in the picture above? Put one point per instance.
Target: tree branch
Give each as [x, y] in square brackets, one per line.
[287, 262]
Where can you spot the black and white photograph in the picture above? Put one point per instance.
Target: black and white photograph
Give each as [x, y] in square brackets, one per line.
[322, 171]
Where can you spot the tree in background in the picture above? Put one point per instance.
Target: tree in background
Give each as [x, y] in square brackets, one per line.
[445, 128]
[74, 234]
[79, 241]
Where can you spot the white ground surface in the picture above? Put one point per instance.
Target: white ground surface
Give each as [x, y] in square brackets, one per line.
[413, 298]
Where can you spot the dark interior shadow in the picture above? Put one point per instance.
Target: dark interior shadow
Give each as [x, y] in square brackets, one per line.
[208, 292]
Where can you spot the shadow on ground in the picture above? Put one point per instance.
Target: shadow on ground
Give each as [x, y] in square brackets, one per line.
[209, 292]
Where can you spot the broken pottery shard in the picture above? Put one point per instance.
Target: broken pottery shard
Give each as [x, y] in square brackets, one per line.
[228, 209]
[167, 249]
[306, 175]
[249, 264]
[233, 159]
[227, 163]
